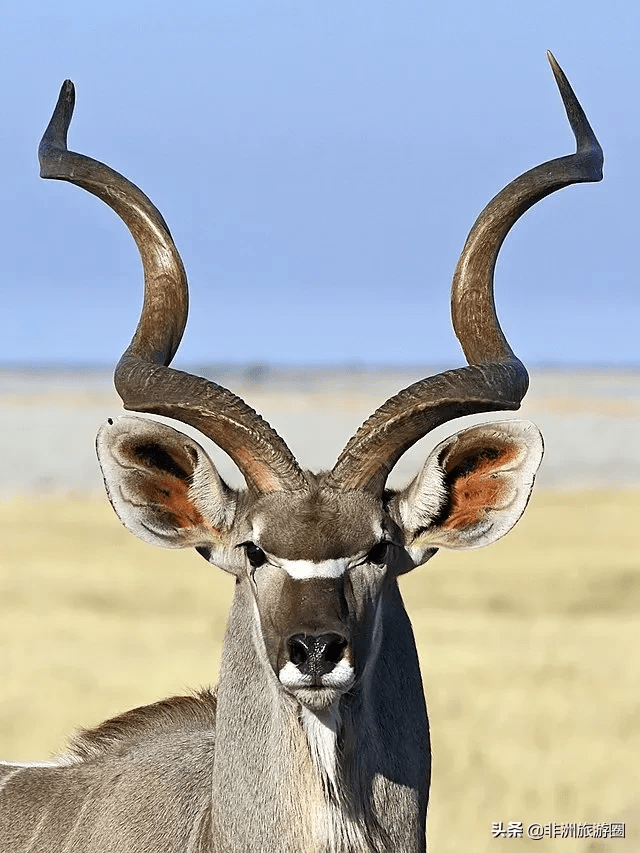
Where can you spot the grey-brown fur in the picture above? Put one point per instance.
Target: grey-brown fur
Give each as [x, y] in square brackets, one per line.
[321, 524]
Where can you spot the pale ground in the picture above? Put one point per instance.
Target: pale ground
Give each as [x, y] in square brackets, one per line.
[529, 648]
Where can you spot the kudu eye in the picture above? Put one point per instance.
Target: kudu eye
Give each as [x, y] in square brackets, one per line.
[255, 555]
[378, 553]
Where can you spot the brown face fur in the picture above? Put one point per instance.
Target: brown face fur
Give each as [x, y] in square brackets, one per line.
[324, 528]
[288, 607]
[317, 524]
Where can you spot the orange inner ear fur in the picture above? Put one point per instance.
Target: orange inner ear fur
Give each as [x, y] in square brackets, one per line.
[168, 475]
[472, 488]
[173, 494]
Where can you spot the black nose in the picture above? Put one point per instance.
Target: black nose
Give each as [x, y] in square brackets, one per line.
[316, 655]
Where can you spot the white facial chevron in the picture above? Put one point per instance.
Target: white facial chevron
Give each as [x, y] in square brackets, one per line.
[301, 570]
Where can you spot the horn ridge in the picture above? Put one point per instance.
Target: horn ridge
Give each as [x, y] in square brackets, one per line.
[260, 453]
[371, 454]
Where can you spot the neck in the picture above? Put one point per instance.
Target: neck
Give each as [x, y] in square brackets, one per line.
[352, 778]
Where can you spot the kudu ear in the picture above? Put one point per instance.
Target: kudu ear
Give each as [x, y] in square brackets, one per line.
[163, 486]
[472, 489]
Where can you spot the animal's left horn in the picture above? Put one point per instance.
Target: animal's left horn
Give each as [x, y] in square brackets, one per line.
[495, 379]
[142, 377]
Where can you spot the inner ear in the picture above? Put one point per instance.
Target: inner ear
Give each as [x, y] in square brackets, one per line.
[161, 477]
[176, 462]
[162, 485]
[473, 487]
[472, 483]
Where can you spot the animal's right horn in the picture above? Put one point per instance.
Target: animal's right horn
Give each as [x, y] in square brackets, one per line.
[142, 377]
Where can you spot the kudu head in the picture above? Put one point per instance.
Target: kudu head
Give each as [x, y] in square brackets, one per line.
[315, 553]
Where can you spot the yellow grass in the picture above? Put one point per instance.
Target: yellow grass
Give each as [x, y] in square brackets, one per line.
[530, 652]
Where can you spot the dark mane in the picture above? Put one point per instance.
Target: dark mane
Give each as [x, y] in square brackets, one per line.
[176, 714]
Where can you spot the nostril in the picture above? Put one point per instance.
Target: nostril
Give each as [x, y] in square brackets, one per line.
[316, 655]
[298, 650]
[334, 650]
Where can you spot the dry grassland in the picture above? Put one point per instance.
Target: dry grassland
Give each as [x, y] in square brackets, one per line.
[529, 652]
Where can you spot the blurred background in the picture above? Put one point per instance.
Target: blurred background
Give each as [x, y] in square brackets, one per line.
[320, 166]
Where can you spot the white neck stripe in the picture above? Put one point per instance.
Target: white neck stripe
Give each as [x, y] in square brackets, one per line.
[306, 570]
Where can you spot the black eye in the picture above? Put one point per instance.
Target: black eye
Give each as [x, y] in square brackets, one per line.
[255, 555]
[378, 553]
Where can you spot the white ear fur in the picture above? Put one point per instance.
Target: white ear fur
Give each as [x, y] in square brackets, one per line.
[162, 485]
[472, 489]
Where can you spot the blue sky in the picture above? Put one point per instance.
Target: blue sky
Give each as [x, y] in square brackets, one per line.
[319, 165]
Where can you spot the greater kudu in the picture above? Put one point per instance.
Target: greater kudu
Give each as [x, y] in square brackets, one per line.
[316, 738]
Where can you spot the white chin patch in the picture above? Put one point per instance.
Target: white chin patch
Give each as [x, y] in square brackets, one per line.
[341, 676]
[292, 678]
[317, 696]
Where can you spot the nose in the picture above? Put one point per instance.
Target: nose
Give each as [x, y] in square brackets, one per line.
[316, 655]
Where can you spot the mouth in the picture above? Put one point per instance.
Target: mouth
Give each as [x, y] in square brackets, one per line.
[317, 692]
[317, 698]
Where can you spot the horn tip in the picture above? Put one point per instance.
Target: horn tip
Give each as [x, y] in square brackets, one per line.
[558, 73]
[586, 140]
[54, 139]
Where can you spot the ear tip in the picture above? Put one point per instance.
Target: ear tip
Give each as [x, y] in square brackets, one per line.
[104, 426]
[108, 429]
[102, 434]
[523, 429]
[533, 436]
[134, 424]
